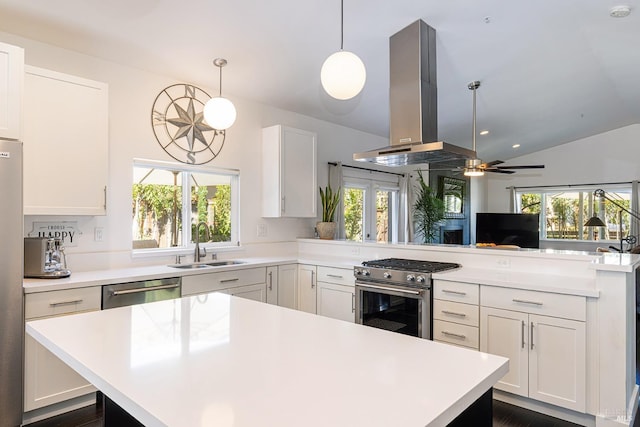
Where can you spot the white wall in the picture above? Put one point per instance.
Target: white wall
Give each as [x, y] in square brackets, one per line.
[609, 157]
[131, 95]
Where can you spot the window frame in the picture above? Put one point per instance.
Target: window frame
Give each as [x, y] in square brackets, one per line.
[371, 182]
[583, 215]
[186, 246]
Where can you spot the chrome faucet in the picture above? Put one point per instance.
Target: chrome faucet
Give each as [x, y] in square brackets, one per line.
[196, 253]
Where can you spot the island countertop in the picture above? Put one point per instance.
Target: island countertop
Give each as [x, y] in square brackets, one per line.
[216, 359]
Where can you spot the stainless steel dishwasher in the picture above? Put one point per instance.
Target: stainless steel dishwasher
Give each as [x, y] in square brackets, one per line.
[132, 293]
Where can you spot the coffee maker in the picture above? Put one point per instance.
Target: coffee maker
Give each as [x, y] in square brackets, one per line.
[44, 258]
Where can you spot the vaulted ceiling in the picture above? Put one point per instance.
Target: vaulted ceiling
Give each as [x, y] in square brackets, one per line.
[551, 71]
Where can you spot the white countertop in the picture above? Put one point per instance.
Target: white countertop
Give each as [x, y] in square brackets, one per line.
[218, 359]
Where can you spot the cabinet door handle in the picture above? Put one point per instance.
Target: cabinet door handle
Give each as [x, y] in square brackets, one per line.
[448, 291]
[531, 335]
[141, 290]
[353, 303]
[282, 207]
[61, 303]
[526, 301]
[229, 280]
[451, 334]
[105, 197]
[453, 313]
[271, 280]
[313, 273]
[522, 335]
[335, 276]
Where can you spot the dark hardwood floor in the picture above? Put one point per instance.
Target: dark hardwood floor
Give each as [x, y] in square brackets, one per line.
[504, 415]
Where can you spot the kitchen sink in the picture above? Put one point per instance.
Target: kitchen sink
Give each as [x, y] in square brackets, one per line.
[205, 264]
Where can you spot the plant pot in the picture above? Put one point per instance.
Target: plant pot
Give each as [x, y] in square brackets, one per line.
[326, 230]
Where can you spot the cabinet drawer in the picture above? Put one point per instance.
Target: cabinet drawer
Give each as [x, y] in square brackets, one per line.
[203, 283]
[55, 303]
[467, 293]
[544, 303]
[339, 276]
[465, 314]
[463, 335]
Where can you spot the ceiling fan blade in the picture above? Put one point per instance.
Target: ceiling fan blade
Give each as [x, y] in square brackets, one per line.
[490, 164]
[521, 167]
[496, 170]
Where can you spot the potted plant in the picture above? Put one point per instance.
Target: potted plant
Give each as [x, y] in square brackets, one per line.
[327, 227]
[428, 210]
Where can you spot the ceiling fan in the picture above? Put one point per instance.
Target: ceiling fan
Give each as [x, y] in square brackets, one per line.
[476, 167]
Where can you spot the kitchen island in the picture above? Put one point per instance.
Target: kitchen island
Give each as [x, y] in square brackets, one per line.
[219, 360]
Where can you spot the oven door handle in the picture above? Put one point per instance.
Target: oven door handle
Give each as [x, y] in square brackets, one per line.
[384, 288]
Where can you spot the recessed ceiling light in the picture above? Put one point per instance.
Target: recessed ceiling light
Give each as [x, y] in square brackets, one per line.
[484, 132]
[621, 11]
[515, 145]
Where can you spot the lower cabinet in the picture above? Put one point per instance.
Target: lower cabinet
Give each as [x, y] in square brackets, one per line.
[47, 379]
[336, 295]
[257, 292]
[234, 282]
[288, 286]
[306, 298]
[456, 314]
[547, 354]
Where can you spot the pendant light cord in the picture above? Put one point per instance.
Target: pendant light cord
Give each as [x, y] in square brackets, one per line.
[341, 24]
[220, 89]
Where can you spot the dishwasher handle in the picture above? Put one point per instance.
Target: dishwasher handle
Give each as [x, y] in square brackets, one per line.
[140, 290]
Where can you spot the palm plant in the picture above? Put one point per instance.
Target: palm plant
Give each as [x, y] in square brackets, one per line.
[330, 202]
[428, 210]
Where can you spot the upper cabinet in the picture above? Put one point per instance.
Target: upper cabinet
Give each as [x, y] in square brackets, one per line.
[66, 139]
[11, 85]
[289, 183]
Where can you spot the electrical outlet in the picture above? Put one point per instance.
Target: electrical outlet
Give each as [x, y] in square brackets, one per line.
[355, 250]
[503, 262]
[98, 234]
[262, 230]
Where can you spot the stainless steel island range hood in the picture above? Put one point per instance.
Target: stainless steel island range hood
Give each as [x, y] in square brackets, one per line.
[413, 101]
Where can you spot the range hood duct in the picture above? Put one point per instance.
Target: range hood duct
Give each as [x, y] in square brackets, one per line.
[413, 102]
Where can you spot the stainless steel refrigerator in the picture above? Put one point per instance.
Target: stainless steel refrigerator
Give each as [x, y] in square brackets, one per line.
[11, 296]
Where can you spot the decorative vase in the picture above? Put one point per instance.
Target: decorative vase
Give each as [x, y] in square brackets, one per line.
[326, 230]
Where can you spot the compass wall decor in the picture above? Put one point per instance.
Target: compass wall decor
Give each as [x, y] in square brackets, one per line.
[179, 126]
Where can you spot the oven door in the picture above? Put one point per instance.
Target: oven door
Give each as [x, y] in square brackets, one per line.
[397, 309]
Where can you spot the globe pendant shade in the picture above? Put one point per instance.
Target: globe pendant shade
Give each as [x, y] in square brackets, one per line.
[343, 75]
[219, 113]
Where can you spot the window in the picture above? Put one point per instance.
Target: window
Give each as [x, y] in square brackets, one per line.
[371, 207]
[166, 196]
[563, 211]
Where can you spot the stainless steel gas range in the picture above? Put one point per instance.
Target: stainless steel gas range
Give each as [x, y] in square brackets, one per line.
[395, 294]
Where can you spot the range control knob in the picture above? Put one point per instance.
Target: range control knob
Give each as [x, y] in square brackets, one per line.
[386, 275]
[420, 279]
[411, 278]
[366, 272]
[358, 272]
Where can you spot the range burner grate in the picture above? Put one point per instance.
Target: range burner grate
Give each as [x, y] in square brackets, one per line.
[411, 265]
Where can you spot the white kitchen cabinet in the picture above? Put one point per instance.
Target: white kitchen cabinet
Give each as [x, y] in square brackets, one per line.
[222, 280]
[288, 286]
[11, 89]
[289, 181]
[272, 285]
[47, 379]
[456, 313]
[336, 293]
[307, 288]
[66, 141]
[257, 292]
[544, 337]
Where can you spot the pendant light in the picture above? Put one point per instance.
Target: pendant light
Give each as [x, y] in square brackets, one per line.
[219, 112]
[343, 74]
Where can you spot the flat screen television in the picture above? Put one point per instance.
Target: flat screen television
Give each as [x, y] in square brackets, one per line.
[508, 229]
